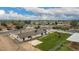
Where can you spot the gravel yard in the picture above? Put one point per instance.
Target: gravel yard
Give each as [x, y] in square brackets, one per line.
[8, 44]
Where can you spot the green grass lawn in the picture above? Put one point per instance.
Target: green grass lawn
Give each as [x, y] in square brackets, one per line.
[53, 41]
[64, 47]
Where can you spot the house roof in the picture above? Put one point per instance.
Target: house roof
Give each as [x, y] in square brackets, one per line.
[2, 27]
[10, 25]
[30, 33]
[74, 37]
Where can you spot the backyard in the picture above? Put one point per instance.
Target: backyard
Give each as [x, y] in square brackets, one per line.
[54, 41]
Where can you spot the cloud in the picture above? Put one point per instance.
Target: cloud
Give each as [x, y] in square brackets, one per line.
[53, 10]
[2, 12]
[38, 10]
[64, 13]
[11, 15]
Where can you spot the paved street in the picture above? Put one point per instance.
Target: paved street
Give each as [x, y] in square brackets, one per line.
[32, 32]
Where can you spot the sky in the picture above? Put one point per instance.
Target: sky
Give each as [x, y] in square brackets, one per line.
[39, 13]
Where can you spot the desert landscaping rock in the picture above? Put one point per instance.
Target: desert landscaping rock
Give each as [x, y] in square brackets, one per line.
[8, 44]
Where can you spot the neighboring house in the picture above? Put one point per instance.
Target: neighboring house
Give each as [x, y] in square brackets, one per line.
[14, 36]
[3, 28]
[65, 24]
[28, 35]
[10, 26]
[27, 29]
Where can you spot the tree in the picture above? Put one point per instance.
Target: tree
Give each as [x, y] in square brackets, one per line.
[0, 29]
[19, 24]
[56, 23]
[37, 27]
[3, 23]
[48, 23]
[23, 39]
[27, 21]
[73, 23]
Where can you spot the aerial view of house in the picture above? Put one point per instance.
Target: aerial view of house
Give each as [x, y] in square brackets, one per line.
[39, 29]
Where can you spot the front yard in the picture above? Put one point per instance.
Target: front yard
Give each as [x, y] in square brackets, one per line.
[54, 41]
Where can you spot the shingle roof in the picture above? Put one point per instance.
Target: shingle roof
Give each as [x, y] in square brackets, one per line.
[31, 33]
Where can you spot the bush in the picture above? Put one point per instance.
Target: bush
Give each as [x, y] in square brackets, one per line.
[62, 28]
[19, 24]
[37, 27]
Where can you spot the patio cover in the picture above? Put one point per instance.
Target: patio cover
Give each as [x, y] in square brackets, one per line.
[74, 37]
